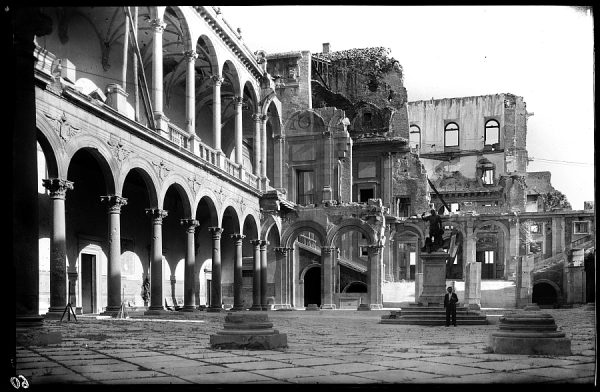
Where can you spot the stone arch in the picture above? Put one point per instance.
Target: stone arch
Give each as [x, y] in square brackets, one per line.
[235, 214]
[310, 266]
[213, 211]
[102, 157]
[234, 76]
[505, 232]
[253, 92]
[210, 52]
[295, 115]
[557, 289]
[408, 227]
[290, 234]
[356, 283]
[268, 224]
[250, 224]
[186, 36]
[349, 225]
[52, 163]
[182, 188]
[148, 175]
[269, 101]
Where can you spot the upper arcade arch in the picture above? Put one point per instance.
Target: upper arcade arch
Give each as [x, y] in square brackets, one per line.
[353, 224]
[180, 185]
[102, 156]
[292, 232]
[147, 173]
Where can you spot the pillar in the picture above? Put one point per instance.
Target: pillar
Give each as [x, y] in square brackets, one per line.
[471, 270]
[263, 274]
[256, 279]
[190, 93]
[189, 303]
[113, 272]
[173, 281]
[327, 255]
[158, 27]
[282, 286]
[217, 82]
[263, 146]
[26, 22]
[256, 145]
[58, 247]
[237, 101]
[327, 194]
[374, 276]
[216, 304]
[279, 153]
[156, 280]
[238, 303]
[558, 235]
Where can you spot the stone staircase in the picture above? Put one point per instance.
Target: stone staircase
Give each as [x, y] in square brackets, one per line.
[416, 314]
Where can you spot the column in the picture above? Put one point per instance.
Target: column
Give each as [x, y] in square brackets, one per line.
[173, 281]
[156, 279]
[238, 303]
[158, 26]
[113, 272]
[256, 145]
[217, 82]
[263, 146]
[279, 153]
[263, 274]
[189, 303]
[327, 254]
[281, 279]
[374, 276]
[327, 193]
[237, 101]
[125, 50]
[58, 247]
[190, 94]
[215, 287]
[27, 22]
[256, 280]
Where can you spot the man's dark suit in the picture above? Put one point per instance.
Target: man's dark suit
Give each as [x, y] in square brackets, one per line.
[450, 305]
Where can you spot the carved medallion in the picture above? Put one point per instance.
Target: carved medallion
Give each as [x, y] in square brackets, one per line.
[63, 127]
[161, 169]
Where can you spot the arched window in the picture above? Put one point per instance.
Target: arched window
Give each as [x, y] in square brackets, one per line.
[451, 135]
[414, 136]
[492, 132]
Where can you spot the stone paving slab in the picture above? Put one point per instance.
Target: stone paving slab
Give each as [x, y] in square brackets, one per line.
[555, 372]
[449, 370]
[333, 379]
[292, 373]
[351, 367]
[399, 376]
[258, 365]
[93, 368]
[314, 361]
[232, 378]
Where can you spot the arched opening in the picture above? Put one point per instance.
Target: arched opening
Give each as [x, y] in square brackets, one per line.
[355, 287]
[407, 259]
[229, 91]
[206, 66]
[206, 214]
[45, 225]
[273, 128]
[544, 294]
[87, 224]
[273, 278]
[312, 286]
[135, 236]
[250, 230]
[175, 203]
[249, 107]
[491, 250]
[230, 226]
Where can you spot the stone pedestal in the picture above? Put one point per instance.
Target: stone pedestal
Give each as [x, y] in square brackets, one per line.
[364, 307]
[244, 330]
[434, 278]
[529, 333]
[311, 307]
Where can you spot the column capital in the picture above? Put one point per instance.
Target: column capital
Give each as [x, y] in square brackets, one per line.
[264, 244]
[190, 224]
[158, 25]
[238, 101]
[279, 138]
[256, 117]
[114, 203]
[328, 249]
[256, 243]
[216, 232]
[374, 249]
[157, 215]
[263, 118]
[217, 80]
[237, 237]
[58, 187]
[190, 55]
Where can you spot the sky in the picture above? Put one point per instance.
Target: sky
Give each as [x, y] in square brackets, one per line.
[542, 53]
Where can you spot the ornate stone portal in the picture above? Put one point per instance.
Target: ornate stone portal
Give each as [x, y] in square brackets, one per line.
[243, 330]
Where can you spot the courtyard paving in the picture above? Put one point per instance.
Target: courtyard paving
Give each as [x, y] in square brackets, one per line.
[324, 347]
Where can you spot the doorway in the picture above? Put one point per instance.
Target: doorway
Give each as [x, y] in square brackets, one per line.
[312, 286]
[88, 283]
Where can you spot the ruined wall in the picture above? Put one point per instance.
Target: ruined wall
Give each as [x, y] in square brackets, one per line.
[410, 180]
[293, 73]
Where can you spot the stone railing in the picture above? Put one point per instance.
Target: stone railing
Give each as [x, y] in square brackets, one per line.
[311, 243]
[580, 241]
[178, 136]
[251, 179]
[231, 168]
[208, 154]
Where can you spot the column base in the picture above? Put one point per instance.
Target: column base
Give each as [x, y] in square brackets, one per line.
[215, 309]
[111, 311]
[266, 307]
[156, 311]
[376, 306]
[25, 322]
[237, 308]
[329, 306]
[56, 314]
[282, 307]
[256, 308]
[473, 307]
[189, 308]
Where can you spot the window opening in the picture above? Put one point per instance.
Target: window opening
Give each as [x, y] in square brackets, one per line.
[488, 176]
[451, 135]
[580, 228]
[492, 132]
[414, 136]
[365, 194]
[305, 186]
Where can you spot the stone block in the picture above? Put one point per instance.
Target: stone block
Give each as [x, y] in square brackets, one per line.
[245, 330]
[311, 307]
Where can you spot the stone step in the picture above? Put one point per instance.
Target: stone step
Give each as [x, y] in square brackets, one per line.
[433, 322]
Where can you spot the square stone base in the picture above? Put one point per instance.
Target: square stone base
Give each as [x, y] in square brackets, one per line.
[530, 346]
[246, 341]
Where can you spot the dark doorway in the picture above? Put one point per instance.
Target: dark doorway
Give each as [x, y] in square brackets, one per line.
[544, 294]
[590, 277]
[312, 286]
[88, 283]
[208, 290]
[366, 194]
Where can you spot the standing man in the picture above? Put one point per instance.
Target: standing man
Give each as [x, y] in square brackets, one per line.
[450, 300]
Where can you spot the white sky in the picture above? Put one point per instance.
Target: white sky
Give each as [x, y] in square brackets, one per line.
[542, 53]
